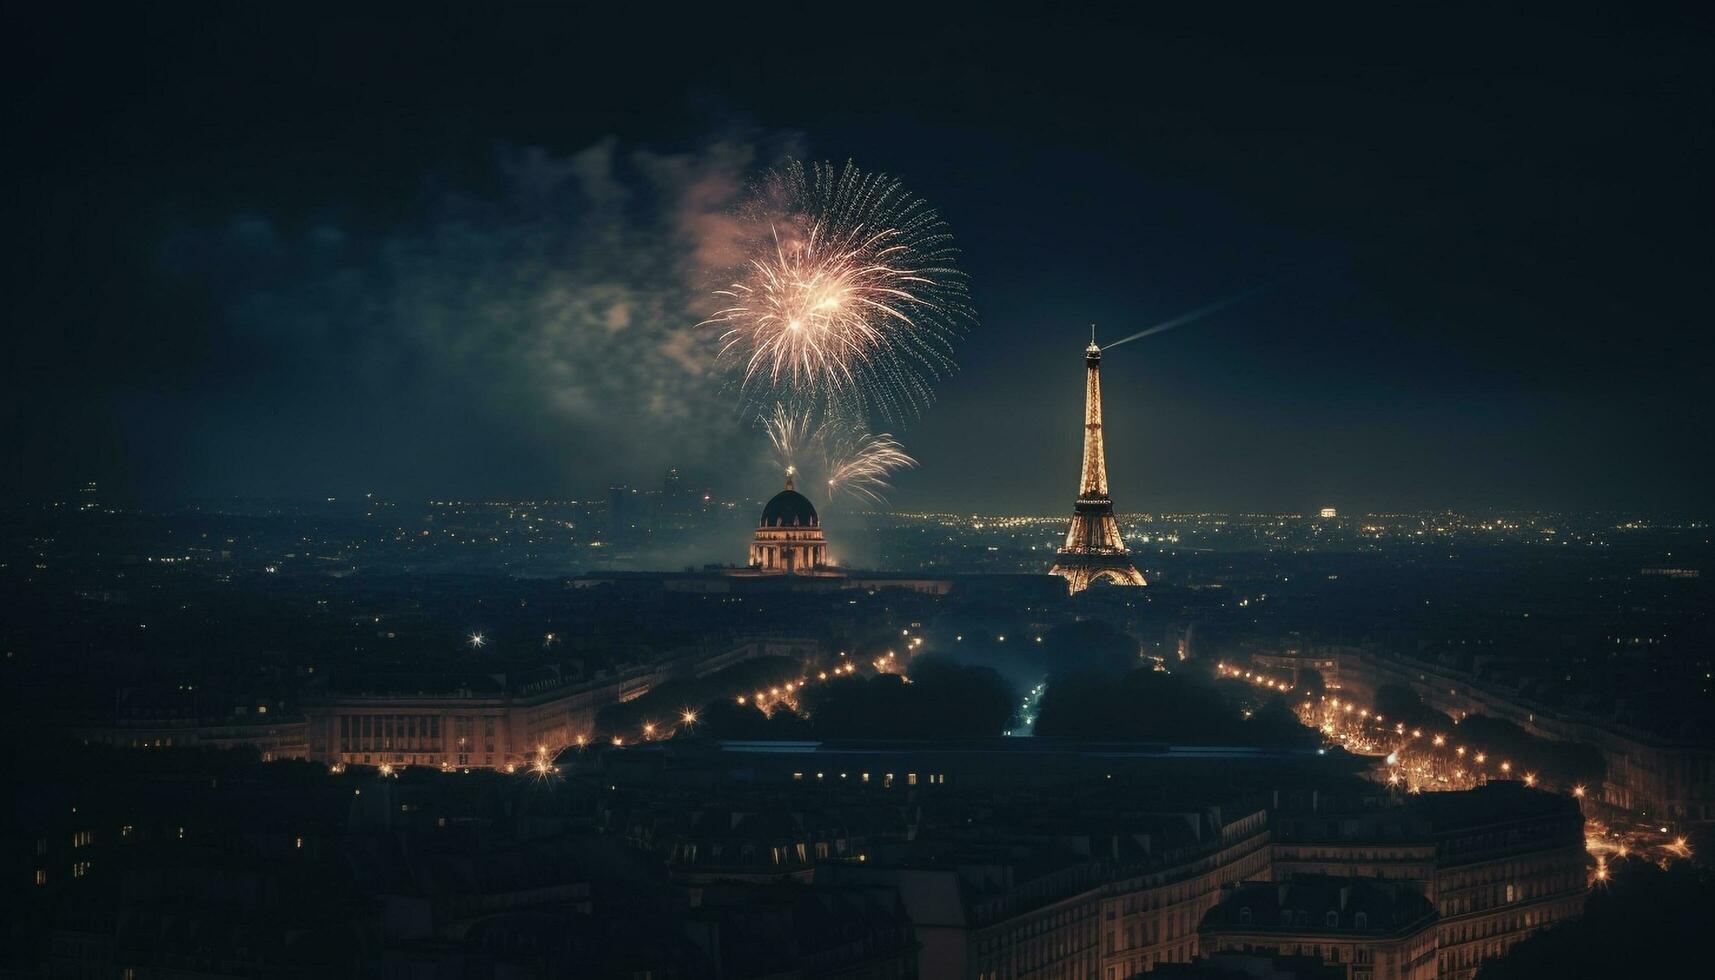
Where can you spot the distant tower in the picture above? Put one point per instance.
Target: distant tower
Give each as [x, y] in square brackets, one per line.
[1094, 550]
[619, 516]
[675, 501]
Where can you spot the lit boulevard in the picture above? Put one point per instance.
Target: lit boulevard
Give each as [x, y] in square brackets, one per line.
[1416, 760]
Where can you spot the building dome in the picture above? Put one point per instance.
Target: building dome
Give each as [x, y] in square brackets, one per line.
[789, 538]
[789, 508]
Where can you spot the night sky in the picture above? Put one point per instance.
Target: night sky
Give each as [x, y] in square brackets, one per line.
[288, 253]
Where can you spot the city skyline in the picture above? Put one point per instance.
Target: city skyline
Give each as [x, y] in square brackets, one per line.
[1085, 493]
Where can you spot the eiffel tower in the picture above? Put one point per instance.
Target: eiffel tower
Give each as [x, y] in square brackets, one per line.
[1094, 550]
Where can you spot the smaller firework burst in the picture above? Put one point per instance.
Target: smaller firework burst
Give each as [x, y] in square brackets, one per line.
[854, 462]
[861, 465]
[791, 431]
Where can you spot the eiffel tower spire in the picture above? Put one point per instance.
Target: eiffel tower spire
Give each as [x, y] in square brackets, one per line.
[1094, 481]
[1094, 549]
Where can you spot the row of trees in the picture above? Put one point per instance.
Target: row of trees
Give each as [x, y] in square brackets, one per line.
[1401, 705]
[665, 702]
[1184, 708]
[1096, 690]
[1025, 660]
[1556, 761]
[968, 689]
[941, 699]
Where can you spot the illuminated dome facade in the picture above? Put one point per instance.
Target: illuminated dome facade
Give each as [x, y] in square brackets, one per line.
[789, 538]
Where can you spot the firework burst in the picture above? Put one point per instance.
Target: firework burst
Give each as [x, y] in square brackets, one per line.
[850, 294]
[860, 464]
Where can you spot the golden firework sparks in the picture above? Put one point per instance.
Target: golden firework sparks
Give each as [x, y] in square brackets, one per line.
[860, 464]
[791, 430]
[850, 292]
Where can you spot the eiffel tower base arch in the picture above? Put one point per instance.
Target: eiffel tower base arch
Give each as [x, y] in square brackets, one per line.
[1083, 571]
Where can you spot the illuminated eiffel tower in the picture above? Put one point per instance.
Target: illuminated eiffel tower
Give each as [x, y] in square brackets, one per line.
[1094, 550]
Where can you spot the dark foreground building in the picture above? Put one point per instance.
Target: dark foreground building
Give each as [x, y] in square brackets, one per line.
[1370, 930]
[983, 859]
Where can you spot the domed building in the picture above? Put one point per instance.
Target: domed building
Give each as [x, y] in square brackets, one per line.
[789, 538]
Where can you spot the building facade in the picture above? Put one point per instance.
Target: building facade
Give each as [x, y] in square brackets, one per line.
[1152, 918]
[1509, 861]
[1372, 930]
[1008, 911]
[1496, 863]
[491, 721]
[1387, 844]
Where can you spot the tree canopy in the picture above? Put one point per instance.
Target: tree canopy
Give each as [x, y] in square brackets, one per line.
[1159, 706]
